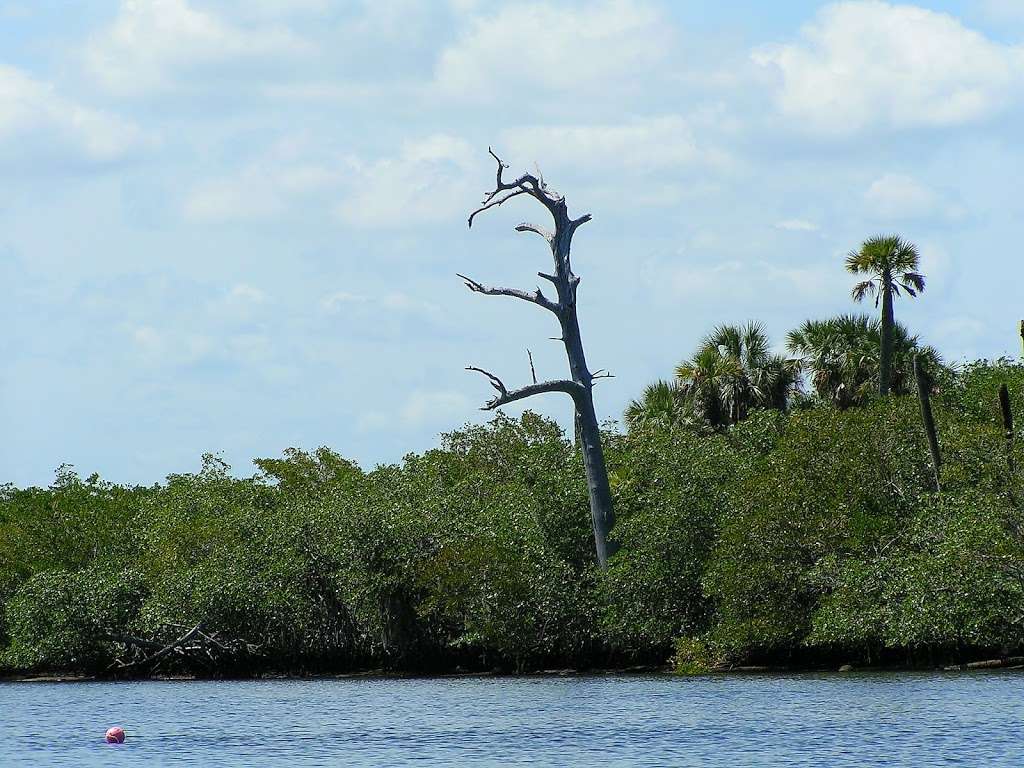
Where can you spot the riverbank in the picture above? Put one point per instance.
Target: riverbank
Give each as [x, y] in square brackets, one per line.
[1015, 663]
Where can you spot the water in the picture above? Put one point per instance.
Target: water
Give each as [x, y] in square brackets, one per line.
[801, 720]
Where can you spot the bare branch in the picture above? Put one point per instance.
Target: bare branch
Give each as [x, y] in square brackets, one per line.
[533, 371]
[506, 396]
[501, 167]
[537, 297]
[536, 228]
[576, 223]
[526, 184]
[173, 646]
[490, 202]
[495, 381]
[550, 278]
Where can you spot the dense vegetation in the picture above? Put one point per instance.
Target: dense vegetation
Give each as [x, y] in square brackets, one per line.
[770, 509]
[805, 536]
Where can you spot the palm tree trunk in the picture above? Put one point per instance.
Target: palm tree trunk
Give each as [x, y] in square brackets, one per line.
[924, 386]
[1007, 412]
[888, 323]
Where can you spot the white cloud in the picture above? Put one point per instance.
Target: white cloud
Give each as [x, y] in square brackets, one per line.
[34, 112]
[937, 266]
[420, 409]
[434, 407]
[151, 43]
[175, 347]
[393, 302]
[293, 169]
[796, 225]
[897, 196]
[430, 180]
[243, 293]
[639, 146]
[869, 63]
[248, 196]
[747, 282]
[554, 47]
[275, 9]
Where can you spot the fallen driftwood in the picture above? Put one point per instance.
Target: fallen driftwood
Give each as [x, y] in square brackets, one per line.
[195, 644]
[1010, 661]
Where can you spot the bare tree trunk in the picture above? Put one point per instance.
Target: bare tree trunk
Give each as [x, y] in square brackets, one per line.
[924, 395]
[885, 351]
[580, 385]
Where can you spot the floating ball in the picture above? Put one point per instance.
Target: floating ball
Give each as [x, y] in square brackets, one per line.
[115, 735]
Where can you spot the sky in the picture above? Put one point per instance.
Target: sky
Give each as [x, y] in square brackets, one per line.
[233, 226]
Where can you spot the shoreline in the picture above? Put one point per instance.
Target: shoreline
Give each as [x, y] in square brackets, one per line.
[1013, 664]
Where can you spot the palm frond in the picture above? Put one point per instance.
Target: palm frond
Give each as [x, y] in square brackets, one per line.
[864, 289]
[912, 282]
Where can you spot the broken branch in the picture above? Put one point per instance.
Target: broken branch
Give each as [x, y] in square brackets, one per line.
[506, 396]
[537, 297]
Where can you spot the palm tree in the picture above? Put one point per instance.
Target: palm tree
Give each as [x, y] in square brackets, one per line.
[710, 383]
[890, 264]
[842, 357]
[734, 371]
[661, 405]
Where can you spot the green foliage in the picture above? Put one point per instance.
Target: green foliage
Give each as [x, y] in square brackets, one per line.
[841, 357]
[733, 372]
[694, 656]
[890, 264]
[668, 507]
[61, 620]
[791, 535]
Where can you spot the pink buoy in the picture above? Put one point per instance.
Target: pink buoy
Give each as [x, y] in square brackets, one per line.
[115, 735]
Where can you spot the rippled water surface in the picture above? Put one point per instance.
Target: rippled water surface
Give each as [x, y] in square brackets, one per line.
[837, 720]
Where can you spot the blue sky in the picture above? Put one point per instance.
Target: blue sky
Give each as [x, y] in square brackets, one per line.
[234, 225]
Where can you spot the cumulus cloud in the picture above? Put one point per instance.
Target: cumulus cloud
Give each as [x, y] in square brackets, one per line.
[276, 9]
[868, 63]
[420, 409]
[171, 347]
[293, 169]
[41, 122]
[897, 196]
[745, 282]
[554, 47]
[640, 145]
[429, 180]
[153, 43]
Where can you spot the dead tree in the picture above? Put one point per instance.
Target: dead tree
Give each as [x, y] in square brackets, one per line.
[580, 385]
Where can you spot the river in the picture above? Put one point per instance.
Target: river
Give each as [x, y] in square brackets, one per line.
[871, 719]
